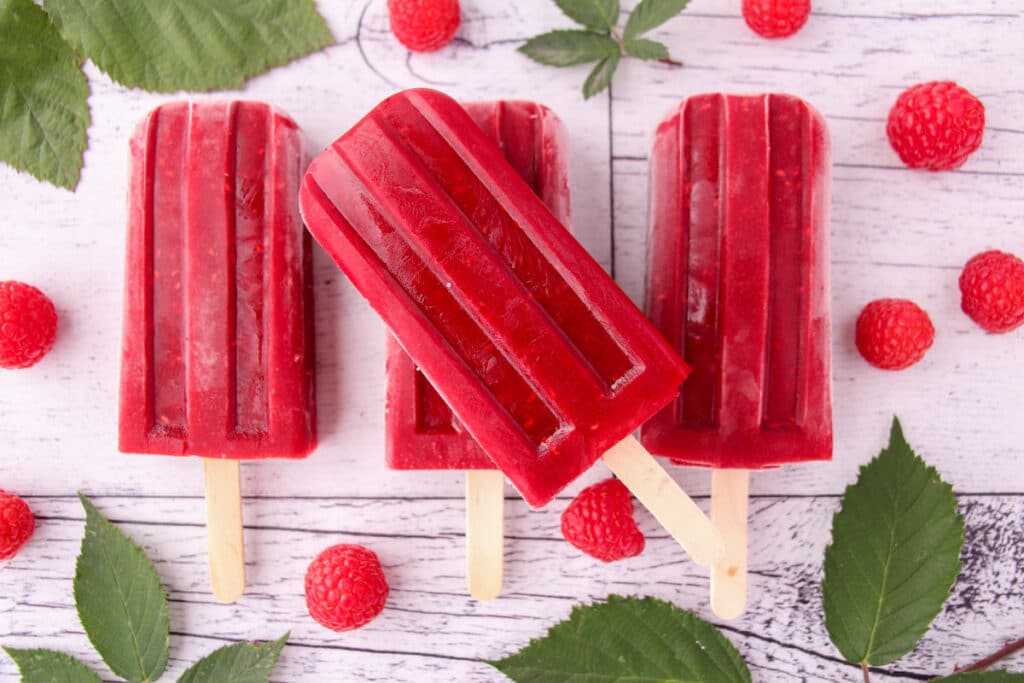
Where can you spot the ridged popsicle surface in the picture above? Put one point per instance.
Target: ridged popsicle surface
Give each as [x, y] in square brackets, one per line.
[738, 280]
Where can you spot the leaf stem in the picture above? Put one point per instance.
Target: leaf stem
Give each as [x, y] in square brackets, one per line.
[622, 48]
[867, 674]
[1004, 652]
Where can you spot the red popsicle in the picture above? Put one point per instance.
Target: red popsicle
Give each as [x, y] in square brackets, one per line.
[421, 431]
[217, 351]
[738, 284]
[542, 358]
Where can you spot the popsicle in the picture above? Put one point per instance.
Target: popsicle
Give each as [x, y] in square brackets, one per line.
[421, 432]
[542, 358]
[738, 283]
[217, 352]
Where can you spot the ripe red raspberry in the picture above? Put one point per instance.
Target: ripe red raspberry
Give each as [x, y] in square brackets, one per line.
[424, 25]
[776, 18]
[893, 334]
[345, 587]
[16, 524]
[992, 289]
[28, 325]
[599, 521]
[936, 125]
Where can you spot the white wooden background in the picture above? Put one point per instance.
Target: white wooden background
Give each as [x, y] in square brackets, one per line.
[895, 232]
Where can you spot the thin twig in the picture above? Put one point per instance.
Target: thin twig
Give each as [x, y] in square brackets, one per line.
[867, 674]
[670, 61]
[1002, 653]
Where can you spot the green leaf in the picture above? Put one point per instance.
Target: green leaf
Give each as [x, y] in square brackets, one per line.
[640, 640]
[189, 44]
[601, 76]
[894, 556]
[650, 14]
[239, 663]
[120, 601]
[43, 108]
[566, 48]
[982, 677]
[596, 14]
[646, 49]
[47, 666]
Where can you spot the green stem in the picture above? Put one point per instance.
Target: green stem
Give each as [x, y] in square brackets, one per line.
[622, 48]
[1004, 652]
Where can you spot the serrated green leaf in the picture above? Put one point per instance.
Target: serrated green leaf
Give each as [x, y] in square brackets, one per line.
[120, 601]
[43, 109]
[601, 76]
[568, 48]
[596, 14]
[646, 49]
[640, 640]
[239, 663]
[982, 677]
[189, 44]
[894, 556]
[47, 666]
[650, 14]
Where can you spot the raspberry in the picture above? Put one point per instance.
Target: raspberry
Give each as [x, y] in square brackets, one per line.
[16, 524]
[424, 25]
[345, 587]
[893, 334]
[28, 325]
[936, 125]
[776, 18]
[992, 289]
[600, 522]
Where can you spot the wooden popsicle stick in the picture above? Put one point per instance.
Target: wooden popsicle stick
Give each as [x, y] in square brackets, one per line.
[224, 528]
[669, 504]
[485, 532]
[729, 495]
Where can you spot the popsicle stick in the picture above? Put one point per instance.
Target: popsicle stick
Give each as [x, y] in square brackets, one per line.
[729, 495]
[669, 504]
[224, 528]
[485, 532]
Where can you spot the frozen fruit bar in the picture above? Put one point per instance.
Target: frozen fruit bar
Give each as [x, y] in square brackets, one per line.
[539, 354]
[738, 280]
[422, 433]
[217, 355]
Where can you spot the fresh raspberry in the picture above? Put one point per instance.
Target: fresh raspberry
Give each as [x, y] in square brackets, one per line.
[424, 25]
[992, 289]
[345, 587]
[893, 334]
[28, 325]
[776, 18]
[936, 125]
[16, 524]
[600, 522]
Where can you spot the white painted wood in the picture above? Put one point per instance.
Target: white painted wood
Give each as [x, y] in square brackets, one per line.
[895, 232]
[485, 533]
[729, 502]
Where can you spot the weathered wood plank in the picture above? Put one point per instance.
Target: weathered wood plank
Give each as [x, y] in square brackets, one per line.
[431, 622]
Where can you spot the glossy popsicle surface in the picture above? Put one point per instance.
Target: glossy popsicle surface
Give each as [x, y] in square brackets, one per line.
[217, 352]
[421, 431]
[539, 354]
[738, 280]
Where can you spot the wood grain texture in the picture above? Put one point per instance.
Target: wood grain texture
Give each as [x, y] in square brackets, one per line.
[895, 232]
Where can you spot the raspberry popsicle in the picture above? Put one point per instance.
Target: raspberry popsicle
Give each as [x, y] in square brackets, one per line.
[422, 433]
[217, 353]
[738, 284]
[542, 358]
